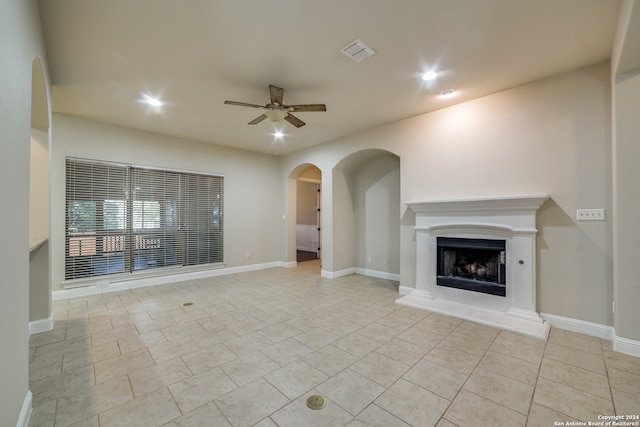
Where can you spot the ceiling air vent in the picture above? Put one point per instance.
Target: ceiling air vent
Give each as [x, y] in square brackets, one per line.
[358, 51]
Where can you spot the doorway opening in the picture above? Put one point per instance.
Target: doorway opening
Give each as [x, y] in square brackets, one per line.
[308, 214]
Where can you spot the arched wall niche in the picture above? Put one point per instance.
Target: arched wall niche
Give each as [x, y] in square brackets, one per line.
[39, 105]
[366, 214]
[40, 306]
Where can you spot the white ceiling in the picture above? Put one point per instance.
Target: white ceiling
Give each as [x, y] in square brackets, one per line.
[194, 54]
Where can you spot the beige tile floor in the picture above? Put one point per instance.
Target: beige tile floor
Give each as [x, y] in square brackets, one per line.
[254, 346]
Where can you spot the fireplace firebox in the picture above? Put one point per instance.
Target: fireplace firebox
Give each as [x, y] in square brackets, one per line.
[477, 265]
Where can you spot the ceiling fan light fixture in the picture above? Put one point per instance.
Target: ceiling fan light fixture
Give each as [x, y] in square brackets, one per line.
[429, 75]
[277, 110]
[276, 115]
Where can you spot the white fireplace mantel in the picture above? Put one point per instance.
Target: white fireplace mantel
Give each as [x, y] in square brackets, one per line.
[512, 219]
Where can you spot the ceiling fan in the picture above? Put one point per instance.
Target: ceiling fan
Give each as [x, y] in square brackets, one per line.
[277, 110]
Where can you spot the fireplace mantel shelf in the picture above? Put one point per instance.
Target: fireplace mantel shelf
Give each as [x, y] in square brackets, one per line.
[511, 218]
[489, 204]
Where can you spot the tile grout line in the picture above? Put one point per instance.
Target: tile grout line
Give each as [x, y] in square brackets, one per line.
[467, 378]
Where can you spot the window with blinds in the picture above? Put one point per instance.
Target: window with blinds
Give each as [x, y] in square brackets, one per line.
[123, 218]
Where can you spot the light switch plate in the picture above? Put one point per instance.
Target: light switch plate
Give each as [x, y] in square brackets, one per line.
[590, 214]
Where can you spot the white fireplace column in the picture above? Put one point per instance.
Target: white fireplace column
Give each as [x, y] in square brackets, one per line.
[524, 274]
[512, 219]
[424, 251]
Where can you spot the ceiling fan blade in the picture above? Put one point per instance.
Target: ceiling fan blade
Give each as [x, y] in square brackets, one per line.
[294, 120]
[276, 94]
[308, 107]
[257, 120]
[243, 104]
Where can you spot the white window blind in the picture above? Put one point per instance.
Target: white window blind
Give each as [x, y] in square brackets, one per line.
[122, 218]
[202, 219]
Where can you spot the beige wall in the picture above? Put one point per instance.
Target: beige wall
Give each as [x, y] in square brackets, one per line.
[252, 216]
[550, 137]
[39, 185]
[40, 305]
[20, 43]
[307, 203]
[344, 225]
[376, 194]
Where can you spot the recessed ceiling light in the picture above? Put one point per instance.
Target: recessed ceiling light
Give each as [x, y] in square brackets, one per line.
[153, 101]
[278, 134]
[429, 75]
[448, 93]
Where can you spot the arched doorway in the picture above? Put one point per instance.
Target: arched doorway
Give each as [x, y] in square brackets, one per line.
[308, 214]
[304, 214]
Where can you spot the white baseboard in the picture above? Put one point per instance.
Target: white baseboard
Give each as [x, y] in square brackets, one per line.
[25, 412]
[336, 274]
[627, 346]
[158, 280]
[405, 290]
[580, 326]
[620, 344]
[42, 325]
[361, 271]
[378, 274]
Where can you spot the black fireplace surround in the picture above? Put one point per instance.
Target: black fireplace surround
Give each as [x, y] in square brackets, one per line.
[477, 265]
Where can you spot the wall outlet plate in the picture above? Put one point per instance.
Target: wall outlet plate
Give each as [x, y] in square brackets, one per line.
[590, 214]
